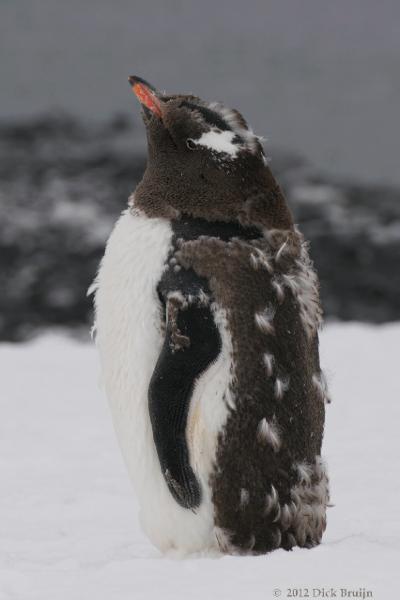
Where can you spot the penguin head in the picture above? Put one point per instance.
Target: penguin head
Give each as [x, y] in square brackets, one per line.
[204, 161]
[193, 131]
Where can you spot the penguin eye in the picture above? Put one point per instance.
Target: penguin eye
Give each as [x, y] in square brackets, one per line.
[190, 144]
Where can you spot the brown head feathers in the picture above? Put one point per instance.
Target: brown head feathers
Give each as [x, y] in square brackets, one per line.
[204, 161]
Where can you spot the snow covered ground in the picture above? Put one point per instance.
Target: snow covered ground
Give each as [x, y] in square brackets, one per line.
[68, 516]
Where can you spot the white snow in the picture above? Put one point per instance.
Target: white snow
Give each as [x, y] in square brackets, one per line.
[68, 515]
[219, 141]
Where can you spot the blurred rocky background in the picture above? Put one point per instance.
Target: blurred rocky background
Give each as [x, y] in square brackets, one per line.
[320, 80]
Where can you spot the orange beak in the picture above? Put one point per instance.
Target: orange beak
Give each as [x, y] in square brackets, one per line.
[146, 95]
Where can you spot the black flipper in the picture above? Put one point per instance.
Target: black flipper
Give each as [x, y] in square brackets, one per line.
[192, 343]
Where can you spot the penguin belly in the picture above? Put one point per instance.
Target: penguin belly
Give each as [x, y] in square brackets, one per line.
[130, 336]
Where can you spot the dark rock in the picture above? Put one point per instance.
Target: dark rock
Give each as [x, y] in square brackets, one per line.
[64, 182]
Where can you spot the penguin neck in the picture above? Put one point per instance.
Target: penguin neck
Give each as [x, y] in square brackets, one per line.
[249, 199]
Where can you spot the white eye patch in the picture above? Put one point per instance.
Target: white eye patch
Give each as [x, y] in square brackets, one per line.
[219, 141]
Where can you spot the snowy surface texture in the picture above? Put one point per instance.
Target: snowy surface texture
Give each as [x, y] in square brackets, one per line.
[69, 529]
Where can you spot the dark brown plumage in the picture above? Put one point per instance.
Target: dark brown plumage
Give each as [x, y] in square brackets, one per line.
[269, 486]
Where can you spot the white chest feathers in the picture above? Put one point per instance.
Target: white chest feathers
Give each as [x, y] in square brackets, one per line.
[129, 338]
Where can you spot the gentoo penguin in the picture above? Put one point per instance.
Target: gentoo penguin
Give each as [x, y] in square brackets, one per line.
[207, 316]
